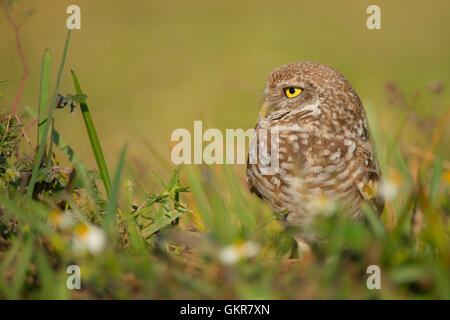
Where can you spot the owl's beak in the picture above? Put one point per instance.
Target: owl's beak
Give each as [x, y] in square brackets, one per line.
[264, 109]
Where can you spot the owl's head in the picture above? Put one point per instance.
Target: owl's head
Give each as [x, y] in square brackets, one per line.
[302, 85]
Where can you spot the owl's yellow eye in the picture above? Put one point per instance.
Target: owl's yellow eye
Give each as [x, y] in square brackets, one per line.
[292, 92]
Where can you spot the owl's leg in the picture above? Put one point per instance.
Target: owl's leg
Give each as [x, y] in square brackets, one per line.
[303, 248]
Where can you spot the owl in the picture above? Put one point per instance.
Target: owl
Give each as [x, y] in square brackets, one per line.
[313, 129]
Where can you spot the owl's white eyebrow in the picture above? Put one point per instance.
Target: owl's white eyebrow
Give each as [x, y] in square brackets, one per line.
[289, 84]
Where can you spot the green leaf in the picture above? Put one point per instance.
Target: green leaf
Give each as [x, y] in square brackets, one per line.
[281, 213]
[93, 138]
[78, 97]
[162, 221]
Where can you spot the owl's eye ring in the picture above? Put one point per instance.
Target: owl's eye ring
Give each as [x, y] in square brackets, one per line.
[292, 92]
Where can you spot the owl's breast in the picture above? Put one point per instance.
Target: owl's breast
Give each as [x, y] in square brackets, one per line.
[277, 171]
[308, 164]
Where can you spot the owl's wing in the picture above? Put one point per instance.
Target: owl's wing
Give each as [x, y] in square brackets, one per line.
[370, 185]
[250, 184]
[249, 176]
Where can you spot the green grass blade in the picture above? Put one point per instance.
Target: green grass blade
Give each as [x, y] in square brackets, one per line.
[111, 206]
[51, 285]
[239, 205]
[93, 138]
[23, 263]
[7, 259]
[38, 159]
[374, 221]
[58, 141]
[44, 95]
[80, 168]
[201, 200]
[437, 172]
[50, 147]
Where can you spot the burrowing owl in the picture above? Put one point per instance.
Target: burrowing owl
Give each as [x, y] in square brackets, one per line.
[323, 146]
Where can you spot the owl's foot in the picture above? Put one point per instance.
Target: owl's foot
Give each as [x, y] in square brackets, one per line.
[303, 248]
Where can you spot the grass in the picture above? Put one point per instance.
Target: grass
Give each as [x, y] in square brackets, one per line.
[51, 108]
[201, 234]
[44, 95]
[93, 138]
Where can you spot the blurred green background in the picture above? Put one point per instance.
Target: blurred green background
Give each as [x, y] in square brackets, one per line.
[149, 67]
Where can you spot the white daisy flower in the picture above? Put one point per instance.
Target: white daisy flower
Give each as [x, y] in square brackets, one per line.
[61, 219]
[89, 238]
[237, 251]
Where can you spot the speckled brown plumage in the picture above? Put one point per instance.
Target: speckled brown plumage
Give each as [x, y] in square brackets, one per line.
[325, 151]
